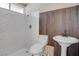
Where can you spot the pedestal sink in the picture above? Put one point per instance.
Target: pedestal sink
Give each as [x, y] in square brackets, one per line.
[64, 42]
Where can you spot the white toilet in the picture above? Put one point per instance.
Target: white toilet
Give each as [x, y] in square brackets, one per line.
[37, 48]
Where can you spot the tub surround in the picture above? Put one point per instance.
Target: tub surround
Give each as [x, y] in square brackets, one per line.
[15, 33]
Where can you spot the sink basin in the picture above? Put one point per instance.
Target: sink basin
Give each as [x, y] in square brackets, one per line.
[64, 39]
[64, 42]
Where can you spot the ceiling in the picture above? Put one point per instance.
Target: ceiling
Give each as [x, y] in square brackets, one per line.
[43, 7]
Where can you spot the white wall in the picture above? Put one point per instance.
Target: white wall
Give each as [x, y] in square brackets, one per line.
[12, 32]
[32, 19]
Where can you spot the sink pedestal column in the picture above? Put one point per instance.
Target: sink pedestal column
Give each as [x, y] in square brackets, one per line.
[63, 50]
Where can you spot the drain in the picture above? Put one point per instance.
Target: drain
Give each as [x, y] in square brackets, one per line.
[27, 51]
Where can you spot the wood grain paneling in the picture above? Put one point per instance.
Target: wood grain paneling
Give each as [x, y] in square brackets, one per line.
[61, 22]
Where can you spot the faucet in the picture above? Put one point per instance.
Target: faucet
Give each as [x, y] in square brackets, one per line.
[65, 33]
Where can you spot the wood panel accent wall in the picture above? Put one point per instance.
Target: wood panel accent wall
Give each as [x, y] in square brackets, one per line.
[61, 22]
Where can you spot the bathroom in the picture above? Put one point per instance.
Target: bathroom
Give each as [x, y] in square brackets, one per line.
[23, 25]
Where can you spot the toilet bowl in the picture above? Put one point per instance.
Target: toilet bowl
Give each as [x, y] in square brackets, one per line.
[37, 48]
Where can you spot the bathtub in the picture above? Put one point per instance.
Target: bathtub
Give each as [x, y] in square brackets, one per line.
[25, 52]
[22, 52]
